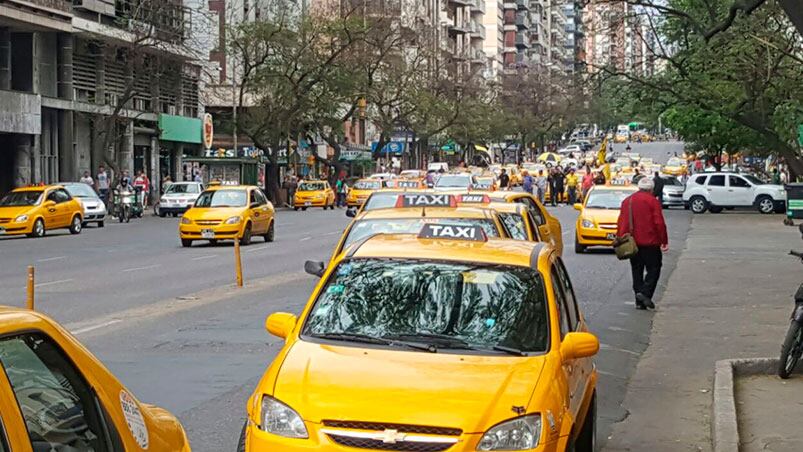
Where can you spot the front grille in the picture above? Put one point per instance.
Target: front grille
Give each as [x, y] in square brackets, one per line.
[207, 222]
[5, 220]
[608, 225]
[91, 207]
[364, 443]
[403, 428]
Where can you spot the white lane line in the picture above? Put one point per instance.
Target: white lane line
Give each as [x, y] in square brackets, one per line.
[305, 239]
[51, 259]
[567, 233]
[96, 327]
[333, 233]
[251, 250]
[148, 267]
[50, 283]
[208, 256]
[614, 349]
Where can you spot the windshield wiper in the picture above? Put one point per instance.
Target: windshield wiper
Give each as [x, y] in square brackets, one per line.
[441, 340]
[509, 350]
[365, 339]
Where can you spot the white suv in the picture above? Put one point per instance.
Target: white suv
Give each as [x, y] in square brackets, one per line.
[719, 190]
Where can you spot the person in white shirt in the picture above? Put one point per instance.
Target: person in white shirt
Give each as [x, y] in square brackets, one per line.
[87, 179]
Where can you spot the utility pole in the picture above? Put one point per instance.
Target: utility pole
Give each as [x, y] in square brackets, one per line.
[234, 106]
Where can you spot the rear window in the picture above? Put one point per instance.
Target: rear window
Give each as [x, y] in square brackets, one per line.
[716, 181]
[366, 228]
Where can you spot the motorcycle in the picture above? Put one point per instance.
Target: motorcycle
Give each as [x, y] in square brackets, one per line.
[123, 202]
[792, 347]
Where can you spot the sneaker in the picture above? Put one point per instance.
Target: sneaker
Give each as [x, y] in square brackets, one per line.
[645, 301]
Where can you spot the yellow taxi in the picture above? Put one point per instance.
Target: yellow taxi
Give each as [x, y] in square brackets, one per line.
[411, 210]
[54, 395]
[401, 183]
[675, 166]
[361, 190]
[314, 193]
[515, 175]
[549, 228]
[226, 212]
[599, 213]
[35, 210]
[442, 341]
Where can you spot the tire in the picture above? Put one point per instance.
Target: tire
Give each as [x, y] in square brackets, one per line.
[162, 214]
[765, 205]
[578, 248]
[245, 240]
[791, 350]
[241, 441]
[101, 223]
[83, 224]
[186, 243]
[587, 438]
[698, 204]
[296, 209]
[304, 209]
[38, 228]
[715, 209]
[213, 242]
[76, 225]
[270, 233]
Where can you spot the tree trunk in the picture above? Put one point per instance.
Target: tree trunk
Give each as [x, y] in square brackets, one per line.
[272, 185]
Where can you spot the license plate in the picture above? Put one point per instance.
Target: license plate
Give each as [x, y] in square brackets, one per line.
[308, 203]
[207, 233]
[610, 236]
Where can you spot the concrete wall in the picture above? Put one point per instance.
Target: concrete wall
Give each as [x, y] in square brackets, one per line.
[46, 50]
[20, 113]
[83, 144]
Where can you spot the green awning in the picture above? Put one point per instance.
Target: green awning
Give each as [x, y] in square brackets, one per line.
[180, 128]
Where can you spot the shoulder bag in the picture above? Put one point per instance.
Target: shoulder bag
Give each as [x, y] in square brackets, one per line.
[625, 246]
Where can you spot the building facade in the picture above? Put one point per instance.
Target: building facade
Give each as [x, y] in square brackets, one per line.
[617, 38]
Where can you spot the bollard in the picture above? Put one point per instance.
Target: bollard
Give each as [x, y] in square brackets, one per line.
[29, 302]
[238, 265]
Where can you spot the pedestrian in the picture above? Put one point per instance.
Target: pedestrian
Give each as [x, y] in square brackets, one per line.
[558, 179]
[87, 179]
[658, 189]
[103, 184]
[571, 187]
[504, 180]
[641, 217]
[776, 177]
[588, 182]
[342, 191]
[527, 182]
[142, 182]
[599, 178]
[292, 185]
[636, 176]
[540, 183]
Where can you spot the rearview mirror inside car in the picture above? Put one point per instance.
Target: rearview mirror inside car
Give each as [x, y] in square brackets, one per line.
[315, 268]
[280, 324]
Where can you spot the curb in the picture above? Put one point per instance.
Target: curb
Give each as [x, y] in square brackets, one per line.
[725, 426]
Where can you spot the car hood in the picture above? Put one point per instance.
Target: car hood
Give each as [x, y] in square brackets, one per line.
[90, 202]
[15, 211]
[181, 195]
[213, 213]
[410, 387]
[601, 215]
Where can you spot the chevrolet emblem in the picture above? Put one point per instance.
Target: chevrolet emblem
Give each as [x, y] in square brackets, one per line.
[390, 436]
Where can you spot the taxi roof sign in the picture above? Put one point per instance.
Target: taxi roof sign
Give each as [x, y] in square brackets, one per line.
[475, 199]
[425, 200]
[471, 233]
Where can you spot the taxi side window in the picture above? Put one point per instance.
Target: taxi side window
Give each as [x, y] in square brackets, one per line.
[514, 225]
[533, 226]
[60, 409]
[527, 201]
[252, 197]
[3, 441]
[261, 197]
[568, 292]
[560, 303]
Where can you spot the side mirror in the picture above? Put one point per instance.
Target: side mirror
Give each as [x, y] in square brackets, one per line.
[315, 268]
[280, 324]
[578, 206]
[579, 345]
[351, 212]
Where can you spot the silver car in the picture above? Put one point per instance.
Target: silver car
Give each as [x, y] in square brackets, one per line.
[673, 191]
[94, 208]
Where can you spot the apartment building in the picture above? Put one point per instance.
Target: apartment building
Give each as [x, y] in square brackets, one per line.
[617, 37]
[66, 68]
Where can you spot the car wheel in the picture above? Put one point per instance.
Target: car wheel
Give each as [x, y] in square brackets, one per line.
[162, 214]
[83, 224]
[587, 438]
[296, 209]
[715, 209]
[38, 228]
[304, 209]
[269, 235]
[241, 442]
[765, 204]
[578, 248]
[245, 240]
[186, 243]
[76, 225]
[101, 224]
[213, 242]
[698, 204]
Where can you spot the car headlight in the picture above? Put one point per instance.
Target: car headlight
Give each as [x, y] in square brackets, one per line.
[21, 219]
[516, 434]
[280, 419]
[185, 220]
[587, 223]
[233, 220]
[163, 200]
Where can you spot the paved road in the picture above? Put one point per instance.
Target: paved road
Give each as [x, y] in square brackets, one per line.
[167, 321]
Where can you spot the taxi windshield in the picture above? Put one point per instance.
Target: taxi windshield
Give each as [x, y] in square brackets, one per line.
[445, 305]
[311, 186]
[607, 199]
[484, 182]
[222, 198]
[21, 198]
[365, 228]
[368, 185]
[380, 200]
[181, 189]
[454, 180]
[674, 161]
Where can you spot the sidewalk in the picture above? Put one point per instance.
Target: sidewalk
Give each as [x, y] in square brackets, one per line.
[729, 297]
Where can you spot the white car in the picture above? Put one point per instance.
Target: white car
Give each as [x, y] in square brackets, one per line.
[94, 208]
[569, 163]
[722, 190]
[178, 197]
[455, 181]
[672, 192]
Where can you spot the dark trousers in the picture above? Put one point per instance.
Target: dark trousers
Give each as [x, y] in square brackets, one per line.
[649, 259]
[553, 194]
[572, 198]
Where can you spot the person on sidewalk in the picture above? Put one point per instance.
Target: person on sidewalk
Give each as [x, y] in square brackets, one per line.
[87, 179]
[572, 182]
[648, 229]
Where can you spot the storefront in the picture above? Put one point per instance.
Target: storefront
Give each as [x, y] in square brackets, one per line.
[179, 138]
[244, 167]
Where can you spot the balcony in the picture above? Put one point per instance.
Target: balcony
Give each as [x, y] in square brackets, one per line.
[461, 2]
[523, 4]
[459, 29]
[523, 20]
[478, 56]
[478, 7]
[477, 30]
[522, 41]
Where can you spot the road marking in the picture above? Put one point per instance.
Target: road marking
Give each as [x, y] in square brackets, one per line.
[332, 233]
[208, 256]
[251, 250]
[614, 349]
[608, 374]
[51, 259]
[96, 327]
[616, 328]
[148, 267]
[50, 283]
[305, 239]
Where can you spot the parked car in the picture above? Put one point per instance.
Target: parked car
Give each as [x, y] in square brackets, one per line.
[94, 207]
[722, 190]
[177, 198]
[673, 191]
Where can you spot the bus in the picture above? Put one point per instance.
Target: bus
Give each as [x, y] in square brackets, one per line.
[622, 134]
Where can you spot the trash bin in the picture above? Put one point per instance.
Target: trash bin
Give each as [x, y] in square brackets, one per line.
[794, 201]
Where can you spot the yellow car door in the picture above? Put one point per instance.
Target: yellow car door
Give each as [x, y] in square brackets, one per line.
[12, 426]
[50, 211]
[259, 217]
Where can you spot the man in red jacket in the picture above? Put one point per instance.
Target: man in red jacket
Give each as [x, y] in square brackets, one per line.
[649, 231]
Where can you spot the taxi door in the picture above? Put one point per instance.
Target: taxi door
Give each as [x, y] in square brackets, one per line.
[13, 433]
[258, 212]
[50, 210]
